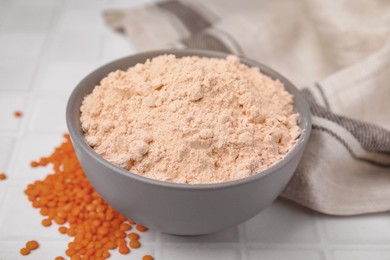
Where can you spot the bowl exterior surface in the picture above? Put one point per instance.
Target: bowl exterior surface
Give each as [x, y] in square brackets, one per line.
[182, 209]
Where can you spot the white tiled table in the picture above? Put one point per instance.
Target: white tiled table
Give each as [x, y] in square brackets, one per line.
[46, 47]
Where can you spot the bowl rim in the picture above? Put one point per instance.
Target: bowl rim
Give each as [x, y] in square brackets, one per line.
[297, 147]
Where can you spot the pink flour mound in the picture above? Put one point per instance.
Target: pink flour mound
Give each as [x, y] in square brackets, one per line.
[190, 120]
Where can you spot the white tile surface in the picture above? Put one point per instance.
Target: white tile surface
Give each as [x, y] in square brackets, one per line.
[73, 45]
[145, 249]
[126, 3]
[50, 249]
[360, 229]
[5, 5]
[265, 254]
[80, 20]
[16, 74]
[75, 5]
[116, 46]
[46, 47]
[6, 144]
[48, 113]
[35, 2]
[196, 252]
[3, 186]
[31, 148]
[149, 237]
[229, 235]
[63, 76]
[9, 103]
[47, 250]
[282, 222]
[14, 223]
[21, 44]
[362, 254]
[28, 17]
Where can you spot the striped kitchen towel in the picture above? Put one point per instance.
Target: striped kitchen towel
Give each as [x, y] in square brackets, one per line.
[345, 169]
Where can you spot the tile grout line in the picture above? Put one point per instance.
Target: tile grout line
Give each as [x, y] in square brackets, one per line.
[2, 203]
[242, 239]
[326, 250]
[28, 107]
[32, 132]
[17, 135]
[158, 246]
[31, 96]
[6, 15]
[30, 93]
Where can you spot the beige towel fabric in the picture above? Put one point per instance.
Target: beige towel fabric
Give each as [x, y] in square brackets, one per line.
[346, 166]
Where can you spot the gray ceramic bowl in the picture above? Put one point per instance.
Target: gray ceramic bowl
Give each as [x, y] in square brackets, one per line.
[182, 209]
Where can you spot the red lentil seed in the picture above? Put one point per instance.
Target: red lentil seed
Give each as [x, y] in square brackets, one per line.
[24, 251]
[95, 227]
[125, 227]
[133, 236]
[3, 176]
[124, 250]
[46, 222]
[134, 244]
[32, 244]
[63, 230]
[141, 228]
[18, 114]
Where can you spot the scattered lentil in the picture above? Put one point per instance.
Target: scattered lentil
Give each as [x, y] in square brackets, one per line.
[125, 227]
[63, 230]
[141, 228]
[147, 257]
[121, 242]
[18, 114]
[46, 222]
[134, 244]
[124, 250]
[32, 244]
[3, 176]
[24, 251]
[66, 197]
[133, 236]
